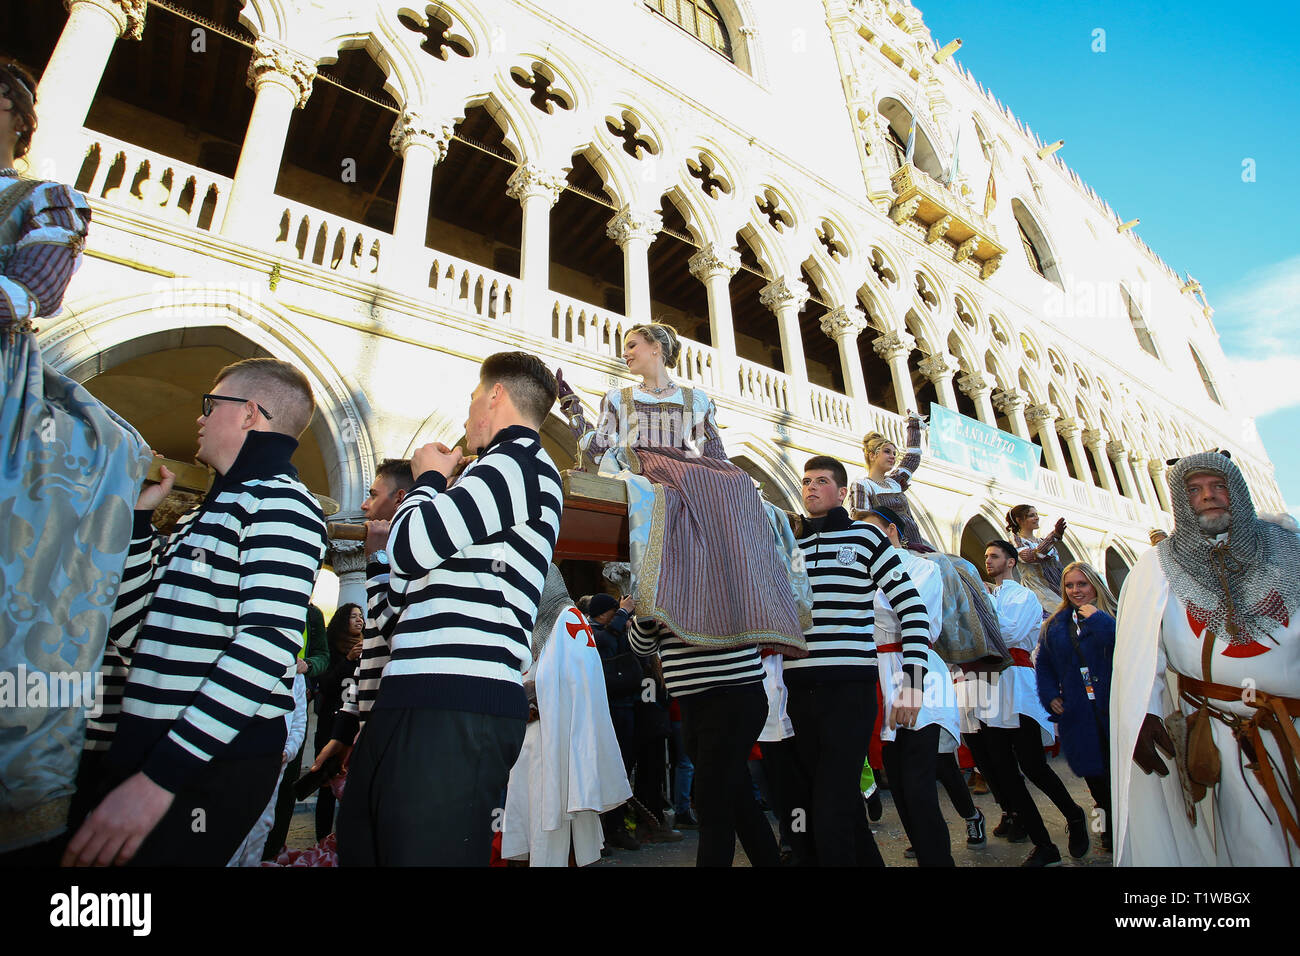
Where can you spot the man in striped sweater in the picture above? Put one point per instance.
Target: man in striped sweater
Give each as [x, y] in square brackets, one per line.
[468, 564]
[213, 617]
[833, 690]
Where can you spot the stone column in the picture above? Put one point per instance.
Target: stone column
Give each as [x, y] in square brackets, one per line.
[714, 265]
[1042, 419]
[1095, 441]
[1160, 478]
[71, 80]
[1119, 454]
[895, 348]
[786, 298]
[1070, 430]
[1011, 403]
[939, 368]
[348, 558]
[633, 231]
[421, 146]
[977, 386]
[282, 81]
[537, 190]
[1141, 466]
[844, 325]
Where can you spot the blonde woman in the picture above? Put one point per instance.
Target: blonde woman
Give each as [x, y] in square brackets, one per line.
[1076, 651]
[887, 479]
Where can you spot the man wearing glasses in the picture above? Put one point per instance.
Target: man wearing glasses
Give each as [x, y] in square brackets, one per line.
[213, 615]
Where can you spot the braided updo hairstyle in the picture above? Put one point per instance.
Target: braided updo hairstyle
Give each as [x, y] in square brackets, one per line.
[1017, 515]
[872, 442]
[666, 338]
[22, 94]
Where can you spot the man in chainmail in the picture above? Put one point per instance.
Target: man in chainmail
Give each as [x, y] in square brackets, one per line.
[1207, 673]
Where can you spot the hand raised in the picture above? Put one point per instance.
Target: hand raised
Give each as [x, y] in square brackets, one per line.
[151, 496]
[436, 456]
[563, 388]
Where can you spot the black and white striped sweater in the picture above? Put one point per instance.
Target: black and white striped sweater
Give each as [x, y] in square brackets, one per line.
[213, 618]
[691, 670]
[468, 567]
[847, 561]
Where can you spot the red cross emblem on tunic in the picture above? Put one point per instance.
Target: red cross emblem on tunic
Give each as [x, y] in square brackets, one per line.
[580, 627]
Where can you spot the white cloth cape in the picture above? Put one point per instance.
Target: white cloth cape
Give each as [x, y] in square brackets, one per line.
[570, 769]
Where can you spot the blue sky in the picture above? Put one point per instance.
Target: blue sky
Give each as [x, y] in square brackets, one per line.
[1160, 124]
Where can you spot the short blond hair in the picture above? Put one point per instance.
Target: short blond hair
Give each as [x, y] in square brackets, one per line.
[279, 386]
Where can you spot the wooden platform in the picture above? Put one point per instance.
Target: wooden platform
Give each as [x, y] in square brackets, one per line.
[594, 526]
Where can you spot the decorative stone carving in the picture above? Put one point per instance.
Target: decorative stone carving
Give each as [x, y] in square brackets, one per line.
[268, 58]
[1157, 468]
[411, 128]
[714, 259]
[974, 384]
[784, 293]
[1040, 415]
[630, 223]
[894, 345]
[1008, 400]
[938, 366]
[127, 14]
[1093, 437]
[347, 557]
[844, 321]
[900, 212]
[967, 249]
[530, 180]
[938, 228]
[1117, 451]
[990, 267]
[1068, 428]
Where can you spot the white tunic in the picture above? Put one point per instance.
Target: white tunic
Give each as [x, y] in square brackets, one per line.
[1014, 692]
[939, 698]
[1152, 828]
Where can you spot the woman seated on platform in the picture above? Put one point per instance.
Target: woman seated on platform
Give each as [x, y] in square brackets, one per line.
[1039, 565]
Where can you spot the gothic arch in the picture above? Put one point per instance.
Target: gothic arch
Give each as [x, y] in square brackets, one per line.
[1039, 239]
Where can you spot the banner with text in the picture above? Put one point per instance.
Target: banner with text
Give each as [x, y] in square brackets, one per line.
[981, 448]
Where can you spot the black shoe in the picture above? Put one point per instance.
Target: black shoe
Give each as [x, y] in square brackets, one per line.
[1004, 825]
[623, 840]
[909, 853]
[1047, 855]
[687, 821]
[975, 831]
[1080, 840]
[874, 807]
[1017, 833]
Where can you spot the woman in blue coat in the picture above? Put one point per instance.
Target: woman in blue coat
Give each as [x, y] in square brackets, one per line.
[1075, 655]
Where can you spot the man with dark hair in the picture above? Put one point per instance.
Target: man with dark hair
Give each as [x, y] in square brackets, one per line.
[838, 474]
[214, 616]
[832, 702]
[468, 565]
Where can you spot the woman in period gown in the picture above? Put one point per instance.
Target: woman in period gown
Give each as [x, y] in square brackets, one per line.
[1038, 564]
[71, 470]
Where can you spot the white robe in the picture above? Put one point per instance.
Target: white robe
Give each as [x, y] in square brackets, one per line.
[570, 769]
[939, 697]
[1152, 636]
[1014, 692]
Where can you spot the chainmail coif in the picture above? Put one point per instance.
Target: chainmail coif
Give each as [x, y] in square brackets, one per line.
[555, 601]
[1245, 586]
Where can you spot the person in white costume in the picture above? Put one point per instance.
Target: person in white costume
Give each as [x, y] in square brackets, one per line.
[1014, 726]
[570, 769]
[911, 745]
[1207, 667]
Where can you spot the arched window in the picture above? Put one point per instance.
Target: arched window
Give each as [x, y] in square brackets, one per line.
[1205, 377]
[1035, 245]
[1139, 324]
[700, 18]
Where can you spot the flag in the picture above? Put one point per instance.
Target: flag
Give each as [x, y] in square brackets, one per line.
[911, 142]
[990, 195]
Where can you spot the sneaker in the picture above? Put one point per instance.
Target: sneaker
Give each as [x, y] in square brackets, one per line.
[909, 853]
[1004, 825]
[975, 831]
[1080, 840]
[1047, 855]
[687, 820]
[623, 840]
[874, 807]
[1017, 833]
[978, 785]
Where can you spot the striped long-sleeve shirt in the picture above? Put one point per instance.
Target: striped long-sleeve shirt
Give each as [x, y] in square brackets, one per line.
[847, 561]
[376, 648]
[468, 567]
[690, 670]
[213, 617]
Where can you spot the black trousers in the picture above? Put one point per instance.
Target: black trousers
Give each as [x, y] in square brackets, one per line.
[719, 730]
[1099, 787]
[911, 764]
[832, 722]
[209, 817]
[1028, 746]
[785, 781]
[979, 752]
[426, 787]
[950, 776]
[1002, 771]
[285, 800]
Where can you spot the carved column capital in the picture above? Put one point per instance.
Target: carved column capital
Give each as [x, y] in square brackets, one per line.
[784, 293]
[713, 260]
[1039, 415]
[1008, 400]
[1068, 428]
[531, 180]
[974, 384]
[127, 14]
[843, 321]
[1156, 467]
[1117, 450]
[894, 345]
[411, 129]
[631, 223]
[347, 557]
[273, 61]
[1093, 437]
[938, 366]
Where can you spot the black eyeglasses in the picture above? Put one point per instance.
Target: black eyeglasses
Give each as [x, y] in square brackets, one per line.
[209, 399]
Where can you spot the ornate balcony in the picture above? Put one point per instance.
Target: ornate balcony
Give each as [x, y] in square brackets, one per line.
[945, 218]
